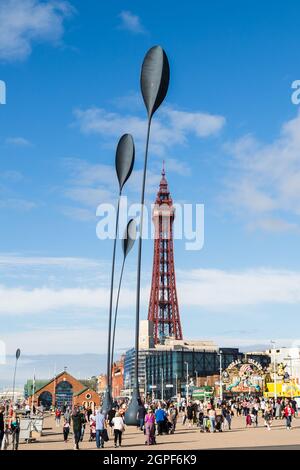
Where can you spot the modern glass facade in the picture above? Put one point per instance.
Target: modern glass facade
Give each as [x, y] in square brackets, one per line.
[166, 370]
[129, 363]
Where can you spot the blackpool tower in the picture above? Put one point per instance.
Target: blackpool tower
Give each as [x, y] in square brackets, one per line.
[163, 305]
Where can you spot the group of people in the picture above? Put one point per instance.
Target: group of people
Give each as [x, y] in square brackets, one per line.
[9, 428]
[154, 418]
[158, 418]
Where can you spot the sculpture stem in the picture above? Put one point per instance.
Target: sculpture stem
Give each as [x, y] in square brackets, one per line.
[111, 296]
[116, 314]
[138, 288]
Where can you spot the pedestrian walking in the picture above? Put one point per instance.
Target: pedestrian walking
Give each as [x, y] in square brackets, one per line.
[119, 428]
[288, 413]
[150, 427]
[100, 428]
[66, 430]
[77, 423]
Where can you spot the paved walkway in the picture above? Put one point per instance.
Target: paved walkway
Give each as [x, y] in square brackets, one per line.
[239, 437]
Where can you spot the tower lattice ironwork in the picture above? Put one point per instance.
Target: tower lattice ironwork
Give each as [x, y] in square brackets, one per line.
[163, 305]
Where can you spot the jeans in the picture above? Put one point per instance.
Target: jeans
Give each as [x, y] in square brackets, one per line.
[141, 423]
[77, 435]
[288, 420]
[160, 427]
[212, 424]
[118, 436]
[99, 439]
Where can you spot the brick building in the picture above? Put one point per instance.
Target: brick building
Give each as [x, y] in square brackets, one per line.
[64, 390]
[118, 377]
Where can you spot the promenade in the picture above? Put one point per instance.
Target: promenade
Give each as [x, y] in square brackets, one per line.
[184, 438]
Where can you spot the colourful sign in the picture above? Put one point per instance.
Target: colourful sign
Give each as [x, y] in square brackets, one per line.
[243, 377]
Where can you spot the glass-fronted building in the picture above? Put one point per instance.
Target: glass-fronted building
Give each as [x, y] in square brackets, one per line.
[129, 364]
[168, 371]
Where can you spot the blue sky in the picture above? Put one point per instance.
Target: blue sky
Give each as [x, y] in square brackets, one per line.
[228, 132]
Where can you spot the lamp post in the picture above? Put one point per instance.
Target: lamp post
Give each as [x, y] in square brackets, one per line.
[290, 359]
[153, 387]
[187, 383]
[274, 369]
[221, 383]
[18, 353]
[124, 165]
[162, 383]
[155, 76]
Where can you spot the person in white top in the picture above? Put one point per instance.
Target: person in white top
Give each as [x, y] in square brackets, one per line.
[119, 427]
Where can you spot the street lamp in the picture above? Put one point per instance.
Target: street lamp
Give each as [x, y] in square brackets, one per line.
[18, 353]
[155, 77]
[187, 382]
[153, 396]
[221, 383]
[274, 368]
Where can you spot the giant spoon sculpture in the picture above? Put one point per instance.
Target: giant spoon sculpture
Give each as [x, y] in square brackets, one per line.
[155, 76]
[124, 162]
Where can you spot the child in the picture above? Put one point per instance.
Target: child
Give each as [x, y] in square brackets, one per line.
[66, 430]
[248, 420]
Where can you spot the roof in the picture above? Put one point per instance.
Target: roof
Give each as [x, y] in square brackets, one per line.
[52, 380]
[85, 389]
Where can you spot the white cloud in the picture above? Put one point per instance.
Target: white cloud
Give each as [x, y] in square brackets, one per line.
[22, 205]
[67, 340]
[273, 225]
[264, 181]
[18, 141]
[24, 21]
[217, 289]
[171, 128]
[91, 185]
[131, 22]
[207, 289]
[201, 124]
[15, 259]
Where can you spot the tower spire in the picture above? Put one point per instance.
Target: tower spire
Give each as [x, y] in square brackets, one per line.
[163, 305]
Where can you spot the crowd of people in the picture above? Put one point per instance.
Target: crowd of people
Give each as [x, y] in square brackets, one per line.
[160, 417]
[154, 418]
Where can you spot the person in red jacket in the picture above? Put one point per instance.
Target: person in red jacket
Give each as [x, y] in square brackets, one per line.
[288, 413]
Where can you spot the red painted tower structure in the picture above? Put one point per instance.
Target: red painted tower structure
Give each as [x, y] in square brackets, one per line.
[163, 305]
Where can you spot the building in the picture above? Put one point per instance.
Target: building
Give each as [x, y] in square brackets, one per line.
[289, 358]
[146, 343]
[64, 390]
[101, 384]
[118, 377]
[170, 368]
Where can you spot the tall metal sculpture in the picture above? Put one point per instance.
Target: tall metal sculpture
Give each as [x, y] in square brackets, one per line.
[124, 162]
[163, 305]
[155, 77]
[127, 245]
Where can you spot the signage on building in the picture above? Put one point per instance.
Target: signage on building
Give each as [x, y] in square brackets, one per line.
[243, 376]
